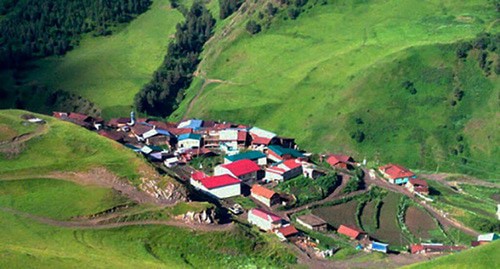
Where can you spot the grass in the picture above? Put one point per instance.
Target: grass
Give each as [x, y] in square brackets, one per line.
[131, 247]
[110, 70]
[64, 147]
[311, 78]
[485, 256]
[57, 199]
[468, 209]
[28, 244]
[389, 230]
[307, 190]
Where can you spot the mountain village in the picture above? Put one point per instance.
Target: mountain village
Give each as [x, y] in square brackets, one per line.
[253, 162]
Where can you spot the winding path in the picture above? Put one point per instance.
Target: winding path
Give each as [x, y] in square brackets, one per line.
[95, 223]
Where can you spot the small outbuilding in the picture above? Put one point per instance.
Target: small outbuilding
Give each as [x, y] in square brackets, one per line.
[312, 222]
[377, 246]
[264, 195]
[353, 233]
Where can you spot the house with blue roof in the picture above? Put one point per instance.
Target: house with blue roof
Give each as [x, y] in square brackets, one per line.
[189, 141]
[254, 155]
[191, 124]
[380, 247]
[278, 153]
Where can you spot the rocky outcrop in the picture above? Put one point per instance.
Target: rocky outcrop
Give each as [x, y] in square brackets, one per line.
[206, 216]
[164, 190]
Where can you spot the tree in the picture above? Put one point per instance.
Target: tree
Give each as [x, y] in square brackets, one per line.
[253, 27]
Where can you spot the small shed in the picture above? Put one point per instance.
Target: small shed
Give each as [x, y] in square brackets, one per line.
[380, 247]
[312, 222]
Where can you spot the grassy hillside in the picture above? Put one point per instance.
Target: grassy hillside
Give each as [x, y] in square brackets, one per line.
[57, 199]
[60, 146]
[480, 257]
[27, 243]
[339, 70]
[107, 70]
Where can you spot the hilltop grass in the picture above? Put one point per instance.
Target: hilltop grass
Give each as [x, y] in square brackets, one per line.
[64, 147]
[485, 256]
[56, 199]
[110, 70]
[312, 77]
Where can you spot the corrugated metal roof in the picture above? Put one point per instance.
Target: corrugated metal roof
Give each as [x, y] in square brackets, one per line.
[189, 136]
[283, 151]
[249, 155]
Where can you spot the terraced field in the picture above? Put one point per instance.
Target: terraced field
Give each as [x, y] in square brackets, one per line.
[420, 223]
[389, 230]
[368, 217]
[339, 214]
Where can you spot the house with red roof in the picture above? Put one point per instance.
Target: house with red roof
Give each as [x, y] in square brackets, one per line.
[418, 185]
[396, 174]
[264, 195]
[222, 186]
[286, 232]
[261, 137]
[264, 220]
[340, 161]
[353, 233]
[283, 170]
[118, 122]
[245, 170]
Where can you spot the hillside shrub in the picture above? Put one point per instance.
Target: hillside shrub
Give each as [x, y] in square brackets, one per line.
[352, 185]
[228, 7]
[253, 27]
[307, 190]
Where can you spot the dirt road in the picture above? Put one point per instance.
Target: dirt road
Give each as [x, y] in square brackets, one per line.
[95, 223]
[443, 220]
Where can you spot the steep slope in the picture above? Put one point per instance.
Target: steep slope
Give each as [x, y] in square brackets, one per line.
[63, 150]
[340, 69]
[108, 70]
[55, 176]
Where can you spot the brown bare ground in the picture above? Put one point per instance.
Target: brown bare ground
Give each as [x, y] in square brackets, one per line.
[339, 214]
[419, 222]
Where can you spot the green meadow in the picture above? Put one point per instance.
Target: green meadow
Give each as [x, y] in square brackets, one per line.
[338, 70]
[110, 70]
[56, 199]
[26, 243]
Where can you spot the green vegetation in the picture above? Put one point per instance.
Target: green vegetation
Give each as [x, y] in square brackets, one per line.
[57, 199]
[165, 91]
[105, 70]
[133, 247]
[206, 164]
[71, 148]
[245, 202]
[395, 67]
[475, 212]
[307, 190]
[37, 28]
[479, 257]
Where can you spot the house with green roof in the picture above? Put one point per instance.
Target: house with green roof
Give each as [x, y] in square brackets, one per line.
[254, 155]
[278, 153]
[188, 141]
